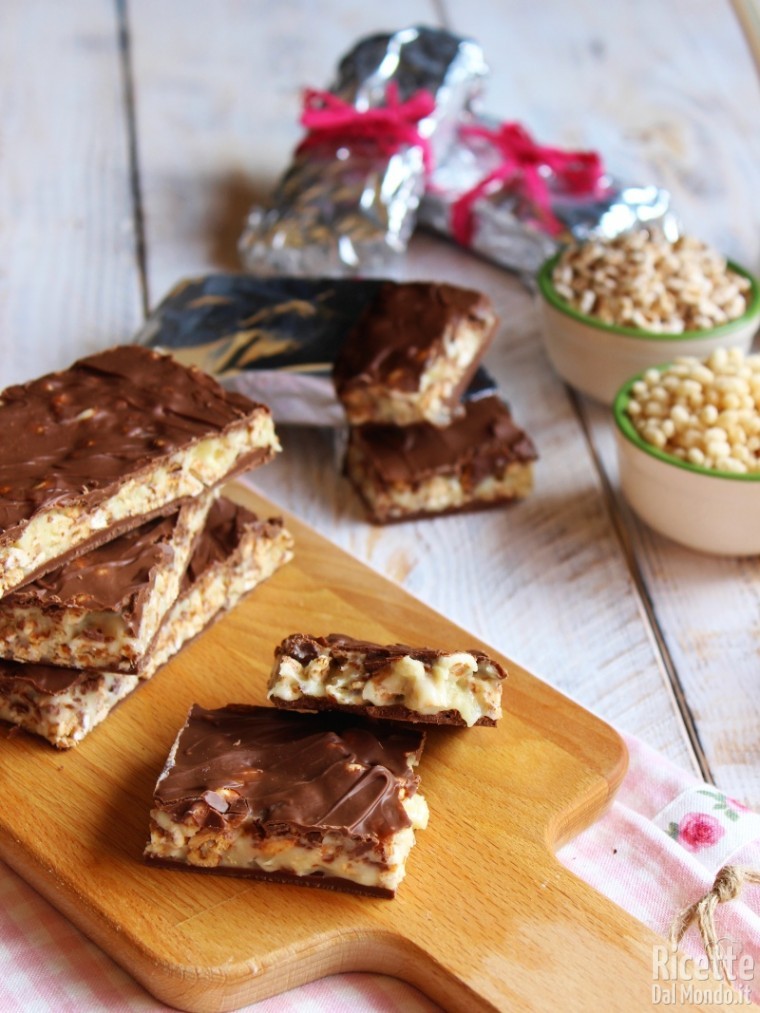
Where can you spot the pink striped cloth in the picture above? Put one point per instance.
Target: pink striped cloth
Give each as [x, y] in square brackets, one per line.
[655, 851]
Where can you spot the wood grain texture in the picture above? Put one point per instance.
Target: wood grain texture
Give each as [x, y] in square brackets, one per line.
[517, 923]
[68, 283]
[544, 581]
[218, 96]
[709, 611]
[669, 94]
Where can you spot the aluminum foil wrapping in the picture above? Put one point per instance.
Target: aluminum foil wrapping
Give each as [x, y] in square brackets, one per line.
[349, 206]
[506, 226]
[273, 339]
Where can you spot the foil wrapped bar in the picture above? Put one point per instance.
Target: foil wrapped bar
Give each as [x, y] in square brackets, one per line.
[479, 198]
[347, 203]
[278, 336]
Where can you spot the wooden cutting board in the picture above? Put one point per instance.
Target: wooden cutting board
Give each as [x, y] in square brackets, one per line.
[486, 916]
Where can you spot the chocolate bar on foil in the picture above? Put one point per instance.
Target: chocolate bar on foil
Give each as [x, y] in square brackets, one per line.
[348, 201]
[275, 336]
[514, 201]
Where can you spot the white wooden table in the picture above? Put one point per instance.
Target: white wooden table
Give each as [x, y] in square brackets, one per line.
[135, 134]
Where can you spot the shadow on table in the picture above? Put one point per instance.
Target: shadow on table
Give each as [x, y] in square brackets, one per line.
[230, 200]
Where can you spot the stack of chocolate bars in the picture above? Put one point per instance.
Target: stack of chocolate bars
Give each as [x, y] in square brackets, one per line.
[415, 449]
[115, 546]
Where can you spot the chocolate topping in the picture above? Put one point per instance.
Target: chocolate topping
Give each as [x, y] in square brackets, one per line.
[401, 332]
[305, 648]
[481, 442]
[117, 576]
[291, 772]
[226, 524]
[76, 433]
[44, 678]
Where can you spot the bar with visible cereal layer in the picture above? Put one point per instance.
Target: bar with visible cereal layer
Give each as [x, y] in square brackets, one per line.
[481, 460]
[97, 449]
[312, 800]
[102, 609]
[235, 552]
[412, 353]
[394, 681]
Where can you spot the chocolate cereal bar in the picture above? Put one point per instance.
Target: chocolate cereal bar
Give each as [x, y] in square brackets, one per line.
[481, 460]
[235, 553]
[102, 609]
[411, 354]
[418, 684]
[119, 437]
[307, 799]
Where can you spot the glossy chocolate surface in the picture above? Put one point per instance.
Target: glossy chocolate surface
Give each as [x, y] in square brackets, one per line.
[117, 576]
[480, 443]
[79, 432]
[400, 334]
[291, 772]
[226, 524]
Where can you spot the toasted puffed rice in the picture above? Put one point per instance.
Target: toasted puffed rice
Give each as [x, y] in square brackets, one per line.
[641, 279]
[704, 411]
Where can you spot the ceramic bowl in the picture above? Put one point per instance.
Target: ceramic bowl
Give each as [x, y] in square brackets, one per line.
[597, 358]
[711, 511]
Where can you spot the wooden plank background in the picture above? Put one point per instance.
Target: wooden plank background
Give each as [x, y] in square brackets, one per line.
[134, 163]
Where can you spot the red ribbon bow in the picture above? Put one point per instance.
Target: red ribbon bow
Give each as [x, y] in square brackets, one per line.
[525, 162]
[329, 119]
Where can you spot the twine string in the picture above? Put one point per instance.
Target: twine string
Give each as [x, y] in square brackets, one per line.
[728, 885]
[524, 164]
[330, 119]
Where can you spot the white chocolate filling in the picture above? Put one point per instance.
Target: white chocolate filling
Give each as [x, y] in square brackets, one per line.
[335, 855]
[80, 638]
[455, 682]
[66, 718]
[187, 472]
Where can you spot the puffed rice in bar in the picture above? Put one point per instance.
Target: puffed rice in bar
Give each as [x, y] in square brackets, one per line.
[236, 552]
[119, 437]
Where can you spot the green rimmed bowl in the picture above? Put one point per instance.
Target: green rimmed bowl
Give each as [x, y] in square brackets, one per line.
[712, 511]
[597, 358]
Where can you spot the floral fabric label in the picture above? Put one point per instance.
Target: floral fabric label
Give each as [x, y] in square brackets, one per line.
[709, 824]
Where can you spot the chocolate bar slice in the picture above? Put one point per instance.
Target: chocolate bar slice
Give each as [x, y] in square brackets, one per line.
[102, 609]
[105, 445]
[308, 799]
[235, 553]
[274, 339]
[412, 353]
[395, 681]
[481, 460]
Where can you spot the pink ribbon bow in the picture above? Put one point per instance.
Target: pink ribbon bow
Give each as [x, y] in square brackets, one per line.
[329, 119]
[525, 162]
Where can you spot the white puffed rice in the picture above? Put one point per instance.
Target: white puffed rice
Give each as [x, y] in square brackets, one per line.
[641, 279]
[711, 413]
